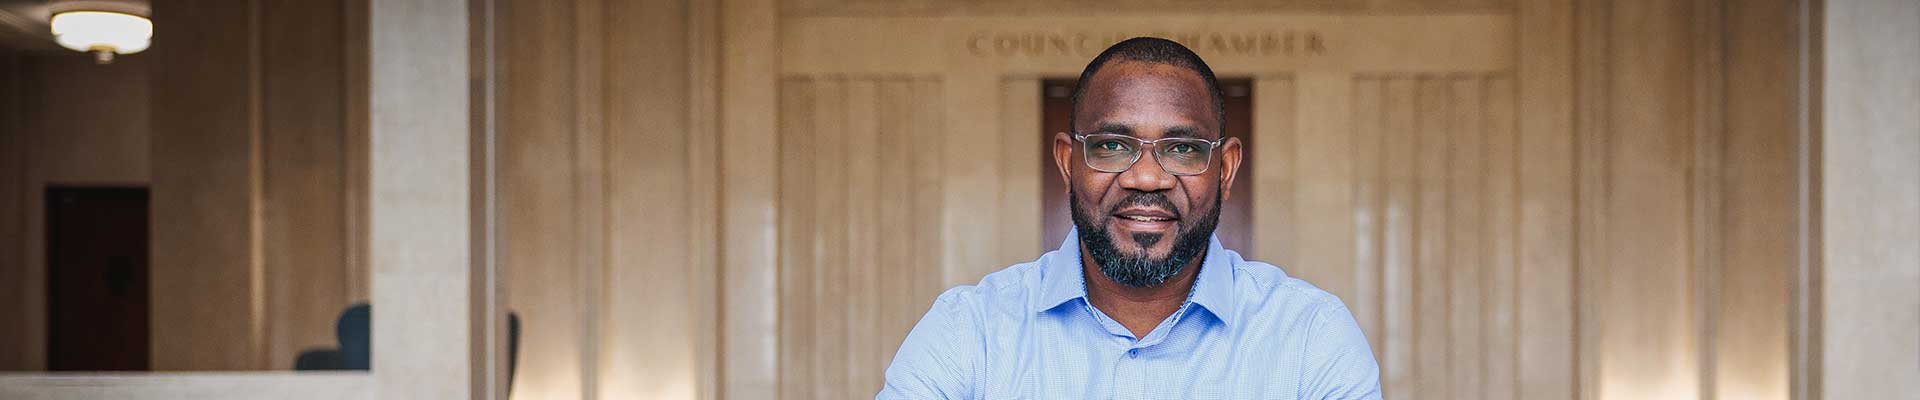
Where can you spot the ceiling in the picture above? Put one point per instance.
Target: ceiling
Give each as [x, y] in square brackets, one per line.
[23, 25]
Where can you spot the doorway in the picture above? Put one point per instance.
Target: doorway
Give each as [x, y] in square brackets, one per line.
[97, 305]
[1235, 213]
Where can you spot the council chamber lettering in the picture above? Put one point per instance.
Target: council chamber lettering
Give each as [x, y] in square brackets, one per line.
[1081, 44]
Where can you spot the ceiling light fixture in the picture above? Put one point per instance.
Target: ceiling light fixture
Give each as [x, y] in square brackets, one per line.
[103, 33]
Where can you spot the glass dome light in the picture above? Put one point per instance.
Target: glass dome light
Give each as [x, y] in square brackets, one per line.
[103, 33]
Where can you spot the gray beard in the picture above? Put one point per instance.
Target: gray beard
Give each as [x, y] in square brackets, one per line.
[1139, 269]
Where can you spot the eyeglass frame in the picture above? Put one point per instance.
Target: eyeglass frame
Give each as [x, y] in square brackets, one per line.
[1082, 138]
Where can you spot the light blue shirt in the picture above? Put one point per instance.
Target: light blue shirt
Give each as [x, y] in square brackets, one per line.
[1247, 331]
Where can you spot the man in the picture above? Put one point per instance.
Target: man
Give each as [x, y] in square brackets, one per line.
[1140, 302]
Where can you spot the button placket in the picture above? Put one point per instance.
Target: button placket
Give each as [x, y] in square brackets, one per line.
[1130, 375]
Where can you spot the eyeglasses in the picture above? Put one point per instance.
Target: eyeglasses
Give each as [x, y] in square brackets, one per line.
[1112, 153]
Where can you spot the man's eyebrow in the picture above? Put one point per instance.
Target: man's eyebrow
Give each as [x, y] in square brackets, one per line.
[1183, 131]
[1113, 129]
[1120, 129]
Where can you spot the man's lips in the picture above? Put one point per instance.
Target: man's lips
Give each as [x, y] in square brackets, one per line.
[1148, 215]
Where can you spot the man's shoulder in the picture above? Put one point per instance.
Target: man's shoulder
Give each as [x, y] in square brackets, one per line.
[1006, 290]
[1267, 289]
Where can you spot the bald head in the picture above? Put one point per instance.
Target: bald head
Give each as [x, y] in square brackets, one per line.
[1152, 50]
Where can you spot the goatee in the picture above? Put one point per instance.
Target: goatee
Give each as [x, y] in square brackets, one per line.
[1140, 269]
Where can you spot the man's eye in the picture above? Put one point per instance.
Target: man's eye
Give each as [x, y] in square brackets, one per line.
[1182, 148]
[1112, 146]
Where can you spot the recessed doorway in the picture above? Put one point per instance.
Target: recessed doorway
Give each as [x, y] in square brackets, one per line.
[97, 305]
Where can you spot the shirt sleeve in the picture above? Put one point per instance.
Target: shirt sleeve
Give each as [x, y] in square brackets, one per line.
[939, 358]
[1340, 364]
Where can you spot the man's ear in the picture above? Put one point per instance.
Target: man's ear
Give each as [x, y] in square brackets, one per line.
[1063, 157]
[1229, 166]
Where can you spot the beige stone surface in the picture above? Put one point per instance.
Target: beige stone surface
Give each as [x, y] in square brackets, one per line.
[1869, 201]
[428, 286]
[221, 385]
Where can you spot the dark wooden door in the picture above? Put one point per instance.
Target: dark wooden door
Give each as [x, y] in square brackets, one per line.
[1235, 213]
[97, 279]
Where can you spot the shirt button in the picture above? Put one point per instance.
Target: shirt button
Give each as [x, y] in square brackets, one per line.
[1133, 353]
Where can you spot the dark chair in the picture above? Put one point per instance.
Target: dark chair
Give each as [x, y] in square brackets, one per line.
[513, 348]
[354, 331]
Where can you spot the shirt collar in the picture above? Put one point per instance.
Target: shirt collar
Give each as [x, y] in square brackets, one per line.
[1062, 279]
[1213, 289]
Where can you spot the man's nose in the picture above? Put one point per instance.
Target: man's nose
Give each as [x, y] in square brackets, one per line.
[1146, 175]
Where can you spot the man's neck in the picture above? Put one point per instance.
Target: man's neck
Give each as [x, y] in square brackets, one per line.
[1140, 309]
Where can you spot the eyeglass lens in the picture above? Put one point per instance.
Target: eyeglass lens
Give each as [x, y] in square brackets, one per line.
[1116, 153]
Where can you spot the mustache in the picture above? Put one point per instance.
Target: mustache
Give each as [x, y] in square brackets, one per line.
[1146, 199]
